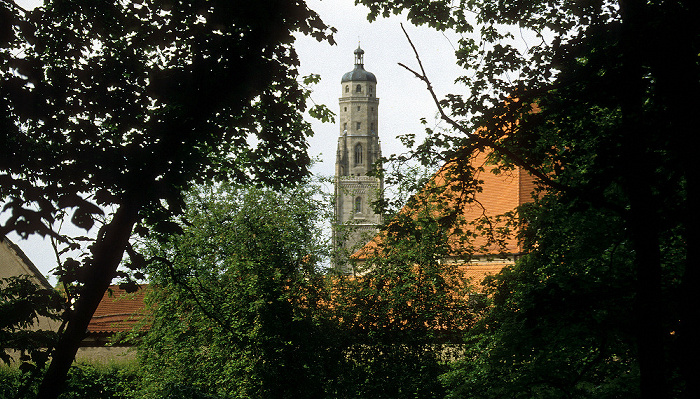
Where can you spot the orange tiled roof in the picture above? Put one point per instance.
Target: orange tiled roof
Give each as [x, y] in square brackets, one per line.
[118, 312]
[476, 273]
[500, 193]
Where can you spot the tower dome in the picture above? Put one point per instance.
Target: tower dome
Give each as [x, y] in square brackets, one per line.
[359, 74]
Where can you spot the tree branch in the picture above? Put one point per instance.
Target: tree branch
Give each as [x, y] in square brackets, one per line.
[12, 4]
[483, 141]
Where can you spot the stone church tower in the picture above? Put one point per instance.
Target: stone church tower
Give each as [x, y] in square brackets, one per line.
[358, 149]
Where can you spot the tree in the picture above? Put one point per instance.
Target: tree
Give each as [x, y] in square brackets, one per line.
[22, 303]
[241, 308]
[615, 83]
[238, 299]
[402, 316]
[109, 110]
[559, 325]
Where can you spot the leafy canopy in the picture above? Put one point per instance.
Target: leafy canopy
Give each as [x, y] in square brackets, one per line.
[237, 299]
[110, 110]
[597, 103]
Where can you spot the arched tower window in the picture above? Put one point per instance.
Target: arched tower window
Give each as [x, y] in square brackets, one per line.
[358, 89]
[347, 88]
[358, 154]
[358, 205]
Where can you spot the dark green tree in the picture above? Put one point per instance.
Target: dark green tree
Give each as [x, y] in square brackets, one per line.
[402, 316]
[22, 302]
[110, 109]
[560, 322]
[242, 310]
[239, 299]
[84, 380]
[615, 84]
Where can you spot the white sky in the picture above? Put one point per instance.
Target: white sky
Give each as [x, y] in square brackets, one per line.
[404, 99]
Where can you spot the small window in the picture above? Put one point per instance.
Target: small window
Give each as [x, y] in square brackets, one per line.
[358, 89]
[358, 125]
[345, 109]
[358, 154]
[370, 89]
[358, 205]
[347, 88]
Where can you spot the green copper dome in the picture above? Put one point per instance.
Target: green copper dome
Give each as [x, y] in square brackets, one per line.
[359, 74]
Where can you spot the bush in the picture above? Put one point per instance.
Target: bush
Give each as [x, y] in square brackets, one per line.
[84, 381]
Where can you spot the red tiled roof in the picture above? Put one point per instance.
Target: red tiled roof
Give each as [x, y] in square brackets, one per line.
[118, 311]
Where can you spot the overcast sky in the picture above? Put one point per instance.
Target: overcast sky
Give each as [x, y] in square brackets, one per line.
[404, 99]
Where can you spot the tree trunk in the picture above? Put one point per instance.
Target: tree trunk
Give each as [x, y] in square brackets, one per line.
[673, 56]
[643, 218]
[648, 313]
[689, 328]
[107, 254]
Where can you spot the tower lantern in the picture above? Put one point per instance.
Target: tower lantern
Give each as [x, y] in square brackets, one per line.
[359, 55]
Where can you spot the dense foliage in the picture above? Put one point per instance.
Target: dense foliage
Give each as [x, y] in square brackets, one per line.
[22, 303]
[122, 106]
[84, 381]
[403, 315]
[560, 325]
[243, 308]
[595, 99]
[110, 109]
[238, 298]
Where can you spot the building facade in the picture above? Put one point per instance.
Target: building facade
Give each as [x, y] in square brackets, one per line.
[118, 312]
[358, 149]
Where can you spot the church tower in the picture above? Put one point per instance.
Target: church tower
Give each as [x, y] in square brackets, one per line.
[358, 149]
